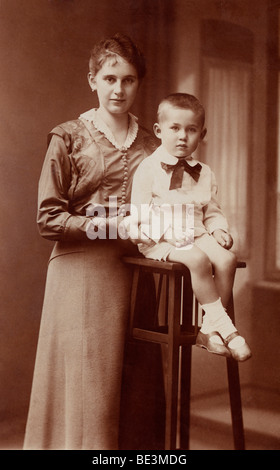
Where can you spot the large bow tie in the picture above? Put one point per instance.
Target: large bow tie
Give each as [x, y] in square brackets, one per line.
[178, 171]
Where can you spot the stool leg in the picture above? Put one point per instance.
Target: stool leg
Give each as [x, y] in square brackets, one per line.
[172, 362]
[235, 394]
[235, 404]
[134, 286]
[186, 358]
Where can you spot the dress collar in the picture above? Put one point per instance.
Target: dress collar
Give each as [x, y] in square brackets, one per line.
[93, 117]
[164, 156]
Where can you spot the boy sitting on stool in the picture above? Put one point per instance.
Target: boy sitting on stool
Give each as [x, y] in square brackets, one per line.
[170, 176]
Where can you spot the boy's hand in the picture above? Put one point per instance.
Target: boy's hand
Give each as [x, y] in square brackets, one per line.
[223, 238]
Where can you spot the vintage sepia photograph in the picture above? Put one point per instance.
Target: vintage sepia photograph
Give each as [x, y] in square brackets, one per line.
[140, 227]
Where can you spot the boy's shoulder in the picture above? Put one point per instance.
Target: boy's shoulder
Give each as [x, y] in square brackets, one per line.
[205, 167]
[153, 160]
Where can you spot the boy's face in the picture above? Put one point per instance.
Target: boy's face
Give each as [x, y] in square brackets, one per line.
[180, 131]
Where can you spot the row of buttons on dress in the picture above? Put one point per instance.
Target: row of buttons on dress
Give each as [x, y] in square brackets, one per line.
[125, 175]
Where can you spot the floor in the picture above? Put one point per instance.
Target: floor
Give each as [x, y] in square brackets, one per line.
[211, 421]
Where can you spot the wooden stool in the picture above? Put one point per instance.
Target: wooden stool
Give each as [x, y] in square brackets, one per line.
[178, 332]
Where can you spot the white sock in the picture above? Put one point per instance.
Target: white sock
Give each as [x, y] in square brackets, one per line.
[216, 319]
[206, 328]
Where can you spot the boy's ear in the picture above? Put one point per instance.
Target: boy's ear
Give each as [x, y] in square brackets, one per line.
[91, 81]
[203, 133]
[157, 130]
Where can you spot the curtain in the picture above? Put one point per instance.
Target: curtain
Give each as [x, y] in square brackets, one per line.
[226, 95]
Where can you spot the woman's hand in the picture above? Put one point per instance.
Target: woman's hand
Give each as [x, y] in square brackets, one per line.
[130, 229]
[223, 238]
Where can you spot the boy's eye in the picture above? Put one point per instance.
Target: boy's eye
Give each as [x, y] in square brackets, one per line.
[192, 129]
[175, 128]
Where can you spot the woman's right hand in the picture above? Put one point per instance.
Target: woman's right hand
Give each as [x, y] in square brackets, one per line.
[130, 229]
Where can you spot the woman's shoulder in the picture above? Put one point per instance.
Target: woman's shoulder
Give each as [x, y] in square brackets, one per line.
[68, 127]
[149, 140]
[69, 131]
[146, 133]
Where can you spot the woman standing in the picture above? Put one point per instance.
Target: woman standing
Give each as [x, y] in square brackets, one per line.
[77, 378]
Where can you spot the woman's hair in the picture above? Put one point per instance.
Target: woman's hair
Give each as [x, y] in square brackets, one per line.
[183, 101]
[117, 46]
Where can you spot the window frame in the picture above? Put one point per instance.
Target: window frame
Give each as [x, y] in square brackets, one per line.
[272, 272]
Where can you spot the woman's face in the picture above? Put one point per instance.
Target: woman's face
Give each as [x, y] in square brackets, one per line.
[116, 84]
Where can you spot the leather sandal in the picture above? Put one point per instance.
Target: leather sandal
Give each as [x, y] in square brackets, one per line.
[203, 340]
[240, 353]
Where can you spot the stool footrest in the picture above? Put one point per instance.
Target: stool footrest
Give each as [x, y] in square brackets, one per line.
[158, 337]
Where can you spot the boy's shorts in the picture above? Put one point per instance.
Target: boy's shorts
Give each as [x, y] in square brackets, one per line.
[205, 242]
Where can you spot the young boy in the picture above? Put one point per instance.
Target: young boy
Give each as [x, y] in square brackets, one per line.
[170, 177]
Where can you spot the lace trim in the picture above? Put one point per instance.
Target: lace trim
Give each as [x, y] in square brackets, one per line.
[100, 125]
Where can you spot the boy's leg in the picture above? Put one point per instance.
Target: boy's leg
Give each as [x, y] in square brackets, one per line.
[205, 291]
[224, 263]
[200, 267]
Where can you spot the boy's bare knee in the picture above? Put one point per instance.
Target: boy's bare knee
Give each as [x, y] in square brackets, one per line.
[228, 262]
[231, 259]
[201, 262]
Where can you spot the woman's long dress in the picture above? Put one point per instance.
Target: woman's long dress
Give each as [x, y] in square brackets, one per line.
[76, 386]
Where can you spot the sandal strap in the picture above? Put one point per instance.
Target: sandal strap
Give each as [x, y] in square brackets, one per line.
[230, 337]
[213, 333]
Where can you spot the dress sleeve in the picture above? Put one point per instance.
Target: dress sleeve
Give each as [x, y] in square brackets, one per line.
[55, 222]
[213, 216]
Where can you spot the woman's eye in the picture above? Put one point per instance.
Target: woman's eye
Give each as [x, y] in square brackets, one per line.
[175, 128]
[110, 79]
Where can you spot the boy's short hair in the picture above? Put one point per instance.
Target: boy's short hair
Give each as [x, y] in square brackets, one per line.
[182, 101]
